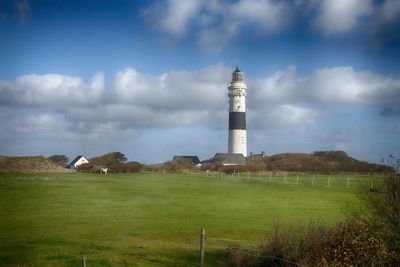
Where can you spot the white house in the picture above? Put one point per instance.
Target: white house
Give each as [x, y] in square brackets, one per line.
[79, 160]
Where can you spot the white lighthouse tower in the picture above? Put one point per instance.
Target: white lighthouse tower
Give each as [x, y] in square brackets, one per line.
[237, 140]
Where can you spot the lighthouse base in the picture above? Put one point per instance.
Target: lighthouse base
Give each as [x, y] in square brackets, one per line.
[237, 142]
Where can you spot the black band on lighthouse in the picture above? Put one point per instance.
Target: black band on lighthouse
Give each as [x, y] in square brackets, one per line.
[237, 120]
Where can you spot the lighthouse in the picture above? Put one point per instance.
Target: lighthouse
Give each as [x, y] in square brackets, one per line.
[237, 140]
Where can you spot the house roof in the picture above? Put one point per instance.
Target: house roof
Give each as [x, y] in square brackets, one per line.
[76, 159]
[228, 158]
[193, 159]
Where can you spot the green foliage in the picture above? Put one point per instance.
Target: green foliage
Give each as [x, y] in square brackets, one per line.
[129, 167]
[319, 162]
[344, 244]
[383, 209]
[370, 238]
[86, 167]
[59, 159]
[120, 157]
[108, 159]
[179, 165]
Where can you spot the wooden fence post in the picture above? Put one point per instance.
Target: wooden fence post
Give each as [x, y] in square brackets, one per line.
[312, 181]
[202, 238]
[329, 181]
[84, 262]
[348, 180]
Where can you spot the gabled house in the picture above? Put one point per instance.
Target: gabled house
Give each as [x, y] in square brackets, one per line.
[227, 159]
[79, 160]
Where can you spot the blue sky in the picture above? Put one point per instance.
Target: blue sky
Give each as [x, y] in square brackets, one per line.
[149, 78]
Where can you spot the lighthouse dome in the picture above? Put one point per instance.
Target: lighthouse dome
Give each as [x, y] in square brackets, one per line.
[237, 75]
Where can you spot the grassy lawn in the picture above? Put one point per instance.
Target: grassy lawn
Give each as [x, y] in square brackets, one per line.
[152, 219]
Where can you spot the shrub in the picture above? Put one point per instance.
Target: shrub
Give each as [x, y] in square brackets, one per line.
[130, 167]
[383, 209]
[215, 167]
[109, 158]
[59, 159]
[179, 165]
[86, 167]
[344, 244]
[372, 237]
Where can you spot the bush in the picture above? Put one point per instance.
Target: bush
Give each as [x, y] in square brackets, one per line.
[130, 167]
[61, 160]
[86, 167]
[372, 237]
[383, 209]
[109, 158]
[215, 167]
[344, 244]
[179, 165]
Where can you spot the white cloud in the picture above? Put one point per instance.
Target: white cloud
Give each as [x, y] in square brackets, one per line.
[344, 85]
[215, 23]
[342, 16]
[60, 107]
[134, 116]
[172, 16]
[52, 90]
[338, 85]
[271, 16]
[38, 109]
[133, 99]
[278, 87]
[280, 117]
[176, 90]
[178, 15]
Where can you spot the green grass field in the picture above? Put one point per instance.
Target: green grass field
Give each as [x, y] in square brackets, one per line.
[154, 219]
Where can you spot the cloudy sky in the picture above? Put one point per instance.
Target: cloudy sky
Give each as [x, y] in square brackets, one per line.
[149, 78]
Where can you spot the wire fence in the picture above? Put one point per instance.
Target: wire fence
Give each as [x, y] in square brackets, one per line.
[344, 181]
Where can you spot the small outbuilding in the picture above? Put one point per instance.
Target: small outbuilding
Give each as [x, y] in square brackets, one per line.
[253, 155]
[79, 160]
